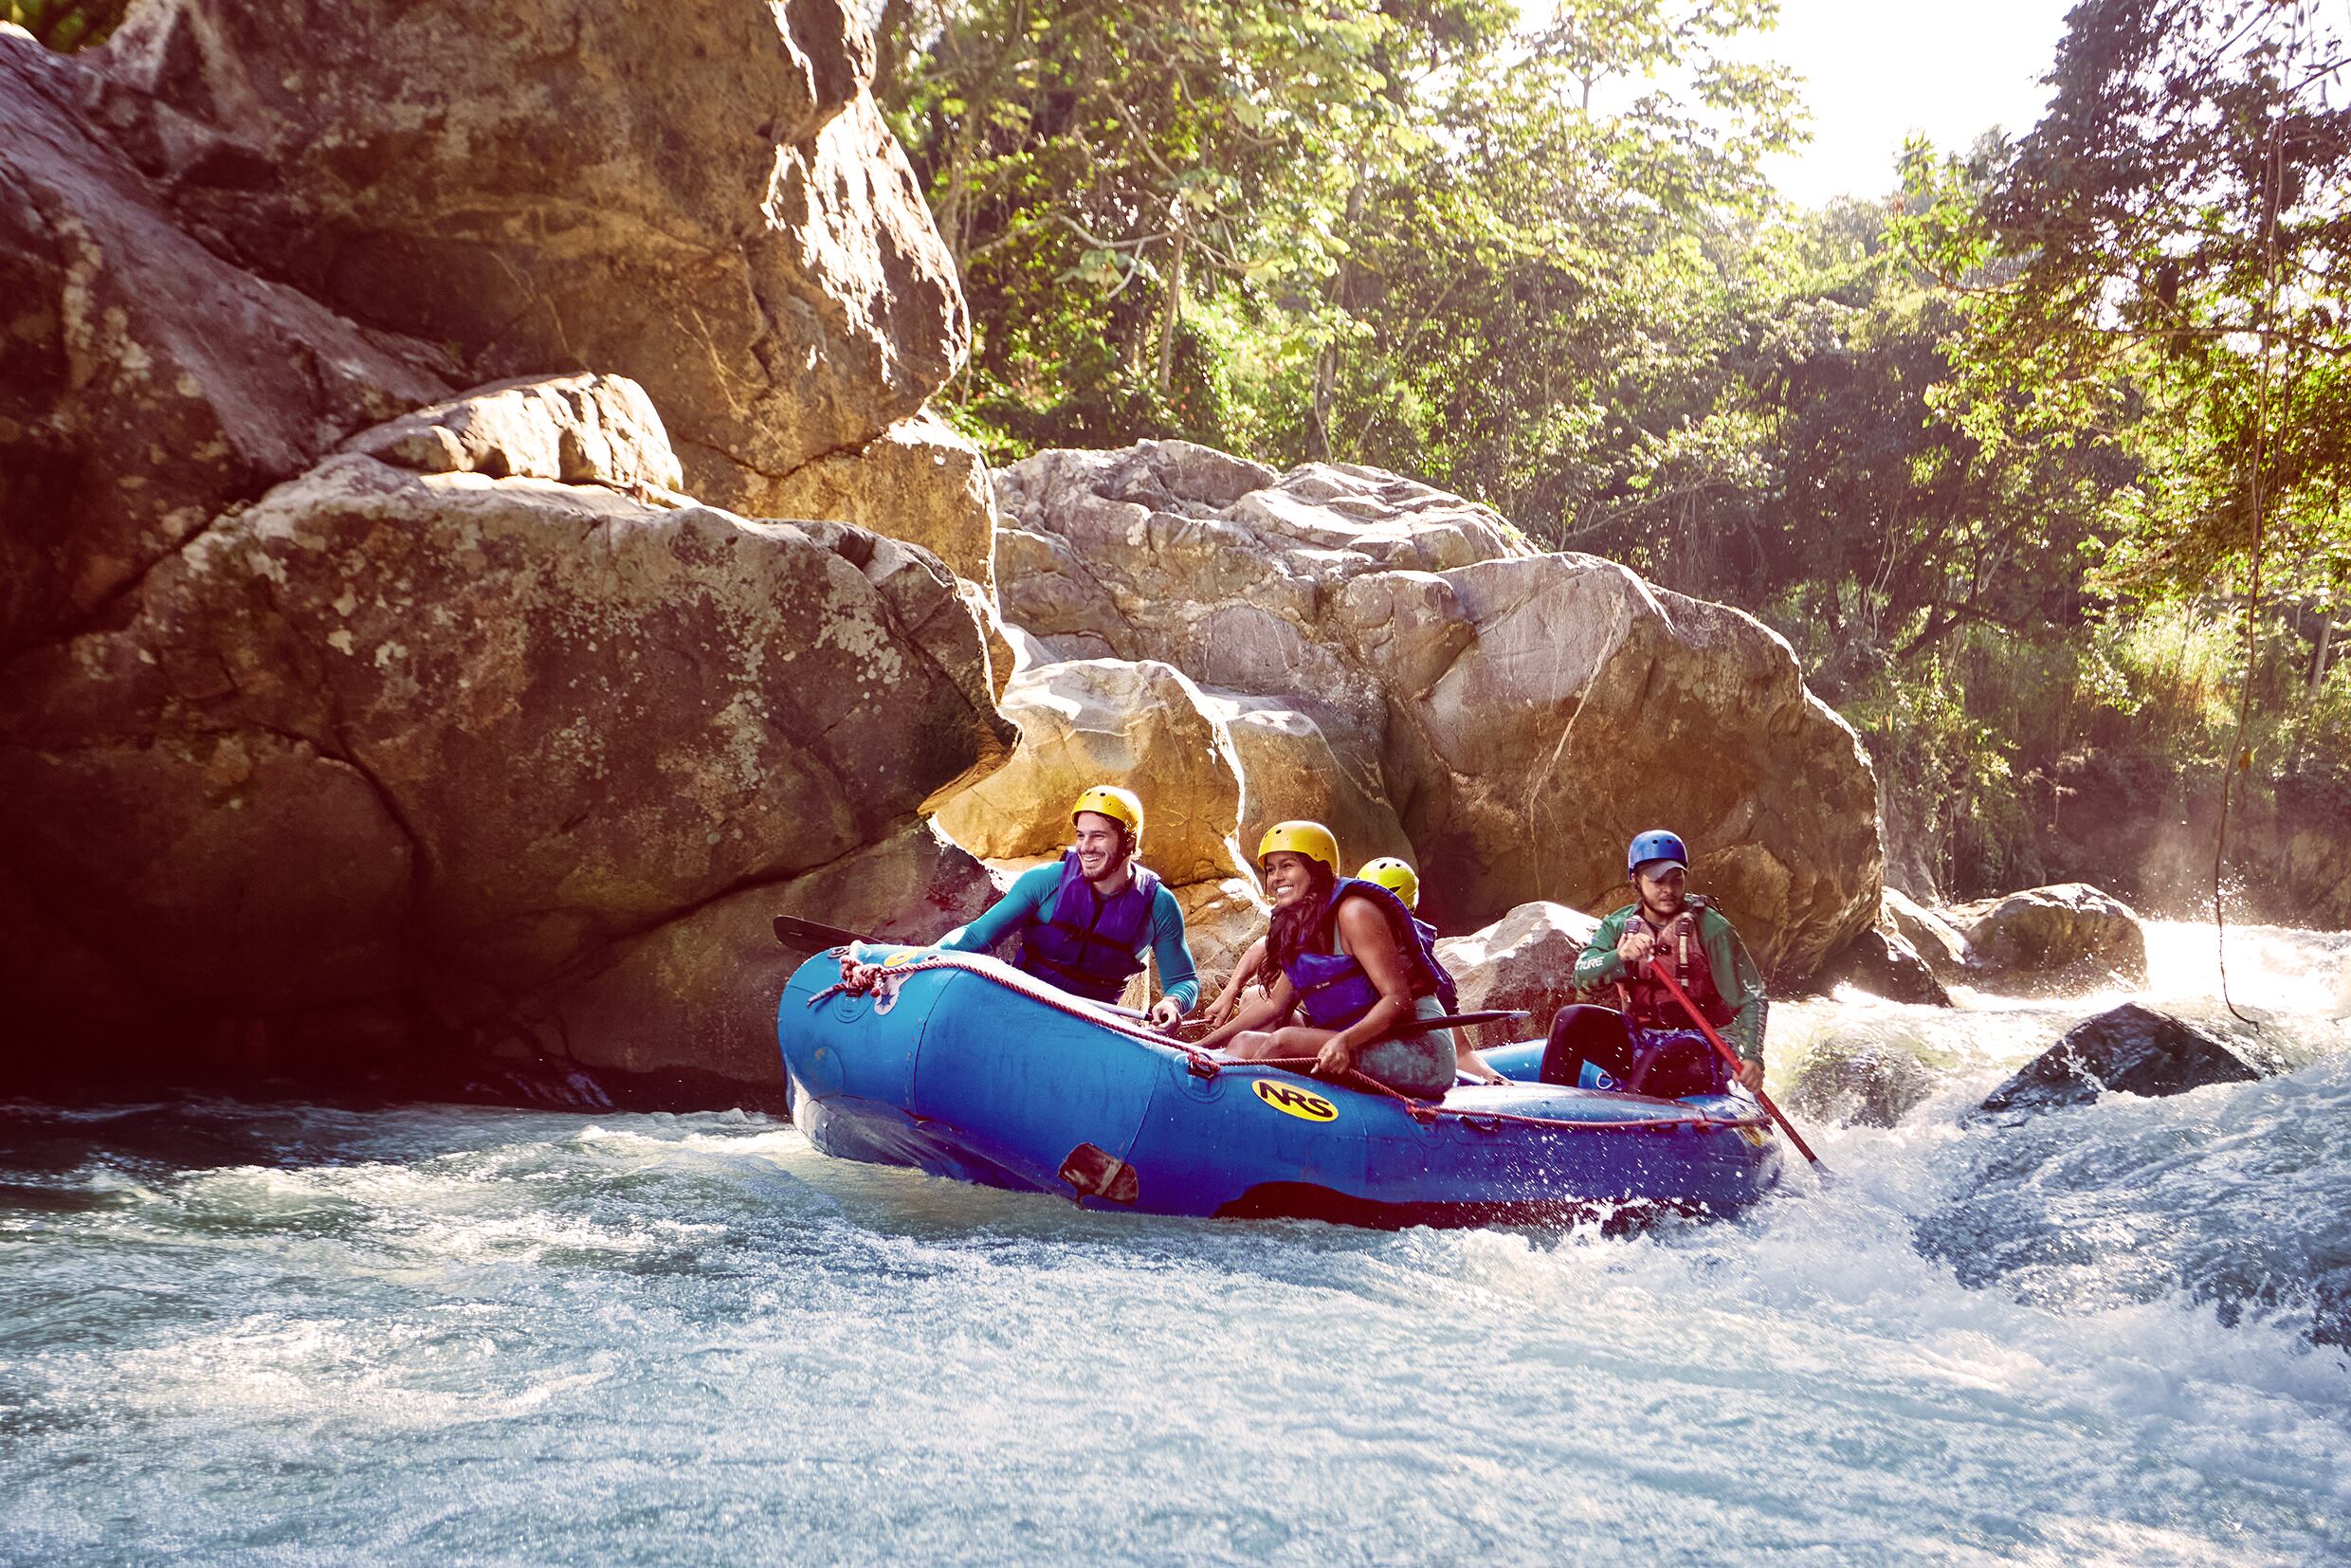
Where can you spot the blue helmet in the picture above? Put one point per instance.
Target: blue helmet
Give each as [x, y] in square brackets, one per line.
[1655, 844]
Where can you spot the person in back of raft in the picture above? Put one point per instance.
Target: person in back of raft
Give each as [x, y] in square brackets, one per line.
[1666, 925]
[1348, 953]
[1084, 923]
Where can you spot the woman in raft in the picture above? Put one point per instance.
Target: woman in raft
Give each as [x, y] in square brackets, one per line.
[1253, 975]
[1348, 953]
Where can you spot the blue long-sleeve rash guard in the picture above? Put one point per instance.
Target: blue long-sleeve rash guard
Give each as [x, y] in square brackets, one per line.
[1029, 901]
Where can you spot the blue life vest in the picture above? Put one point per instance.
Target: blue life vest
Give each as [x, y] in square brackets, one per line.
[1446, 993]
[1333, 986]
[1094, 958]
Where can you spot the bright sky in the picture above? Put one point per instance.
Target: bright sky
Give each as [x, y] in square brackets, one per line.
[1878, 70]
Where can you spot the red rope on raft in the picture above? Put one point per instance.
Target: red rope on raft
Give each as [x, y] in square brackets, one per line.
[1209, 1065]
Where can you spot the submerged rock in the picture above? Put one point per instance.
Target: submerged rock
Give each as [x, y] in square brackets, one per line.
[2070, 936]
[2331, 1323]
[1863, 1084]
[2129, 1050]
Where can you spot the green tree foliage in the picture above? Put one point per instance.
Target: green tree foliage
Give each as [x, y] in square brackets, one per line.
[2158, 265]
[1535, 298]
[2164, 256]
[1134, 190]
[1382, 231]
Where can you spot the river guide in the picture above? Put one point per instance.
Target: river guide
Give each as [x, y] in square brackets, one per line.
[1652, 1038]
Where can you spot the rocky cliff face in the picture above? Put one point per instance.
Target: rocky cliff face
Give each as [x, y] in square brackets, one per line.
[699, 194]
[148, 383]
[347, 724]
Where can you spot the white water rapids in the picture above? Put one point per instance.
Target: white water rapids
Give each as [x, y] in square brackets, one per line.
[442, 1335]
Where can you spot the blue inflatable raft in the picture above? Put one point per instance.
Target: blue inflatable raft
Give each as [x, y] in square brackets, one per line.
[961, 1066]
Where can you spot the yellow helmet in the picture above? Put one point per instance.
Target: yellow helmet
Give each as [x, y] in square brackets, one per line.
[1395, 876]
[1114, 803]
[1310, 839]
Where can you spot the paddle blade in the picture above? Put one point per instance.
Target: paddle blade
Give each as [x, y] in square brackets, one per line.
[811, 936]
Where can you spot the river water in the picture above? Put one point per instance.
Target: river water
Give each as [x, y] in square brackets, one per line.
[452, 1334]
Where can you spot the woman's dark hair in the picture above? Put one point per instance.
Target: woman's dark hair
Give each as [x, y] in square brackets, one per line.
[1296, 927]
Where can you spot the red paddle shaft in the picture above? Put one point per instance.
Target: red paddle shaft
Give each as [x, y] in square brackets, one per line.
[1666, 976]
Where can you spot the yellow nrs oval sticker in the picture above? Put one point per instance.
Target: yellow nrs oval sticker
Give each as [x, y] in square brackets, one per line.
[905, 956]
[1290, 1099]
[1757, 1136]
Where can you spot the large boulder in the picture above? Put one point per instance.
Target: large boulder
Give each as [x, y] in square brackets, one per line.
[1102, 721]
[1883, 964]
[917, 480]
[701, 194]
[2070, 936]
[1529, 712]
[1935, 939]
[148, 384]
[1543, 710]
[685, 1015]
[405, 730]
[1293, 770]
[2129, 1050]
[1526, 959]
[1221, 919]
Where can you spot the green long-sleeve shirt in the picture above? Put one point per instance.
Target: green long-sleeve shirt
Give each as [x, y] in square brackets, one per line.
[1029, 901]
[1737, 978]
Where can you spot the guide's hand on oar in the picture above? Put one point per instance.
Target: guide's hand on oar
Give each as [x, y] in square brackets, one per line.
[1750, 1075]
[1165, 1014]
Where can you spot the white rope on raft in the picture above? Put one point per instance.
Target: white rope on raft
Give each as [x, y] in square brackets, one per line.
[1209, 1065]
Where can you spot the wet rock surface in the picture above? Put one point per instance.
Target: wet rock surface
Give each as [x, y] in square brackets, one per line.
[1935, 939]
[2130, 1050]
[1859, 1083]
[1883, 964]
